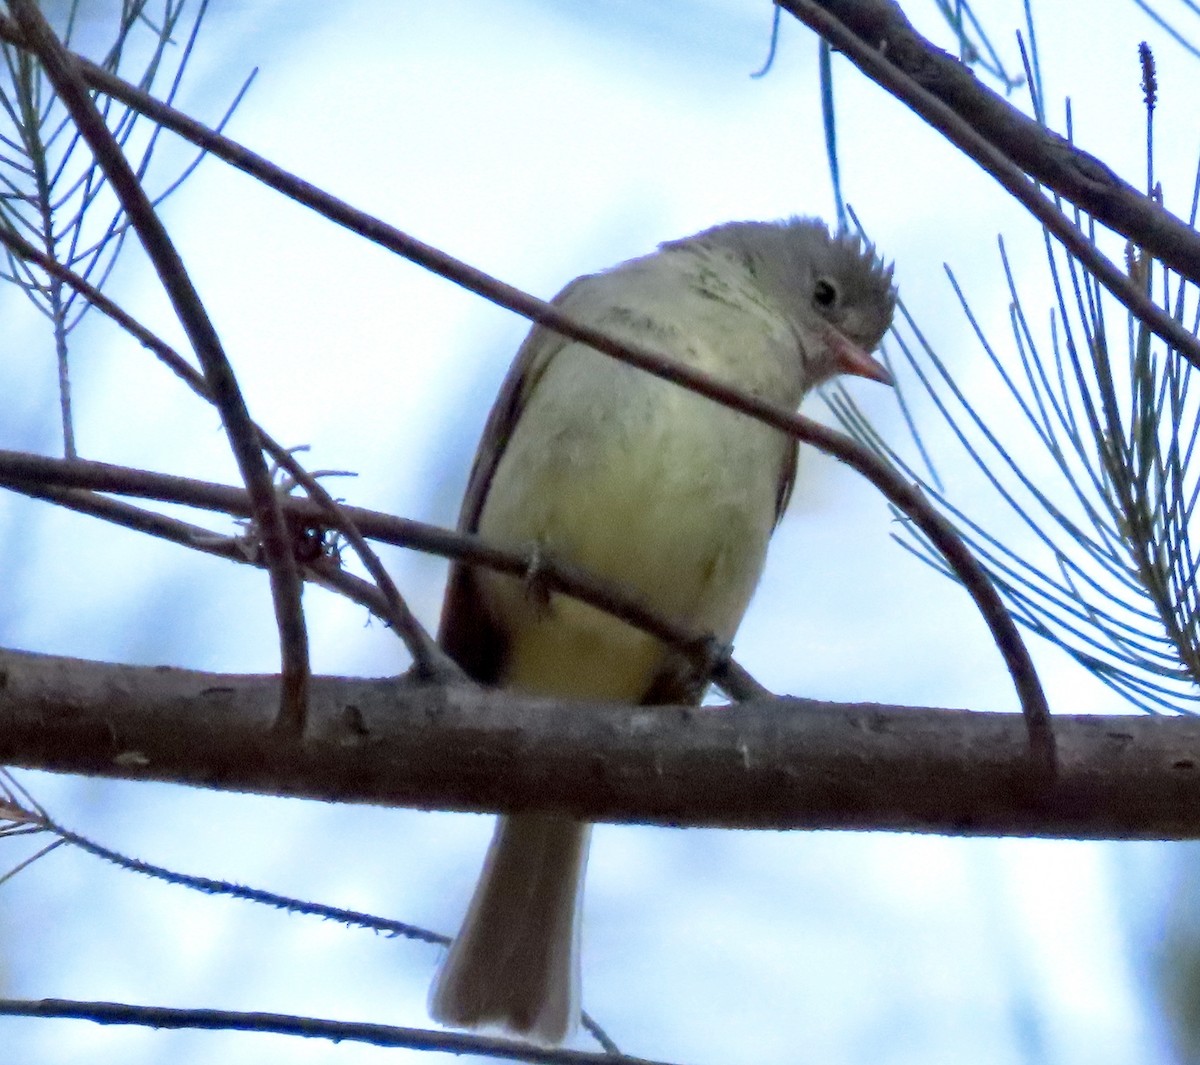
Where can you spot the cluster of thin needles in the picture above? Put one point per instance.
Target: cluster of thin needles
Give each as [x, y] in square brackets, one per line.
[1083, 438]
[1094, 471]
[52, 191]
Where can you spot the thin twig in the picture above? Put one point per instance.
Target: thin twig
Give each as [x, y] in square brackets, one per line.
[74, 484]
[430, 660]
[62, 73]
[383, 1035]
[323, 571]
[36, 856]
[16, 804]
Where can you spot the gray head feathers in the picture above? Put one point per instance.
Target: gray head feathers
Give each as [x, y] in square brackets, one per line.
[805, 269]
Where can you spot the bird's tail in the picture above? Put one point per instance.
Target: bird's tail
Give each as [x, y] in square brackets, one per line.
[515, 961]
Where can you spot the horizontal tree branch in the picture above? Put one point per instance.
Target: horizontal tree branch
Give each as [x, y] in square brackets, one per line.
[769, 763]
[61, 480]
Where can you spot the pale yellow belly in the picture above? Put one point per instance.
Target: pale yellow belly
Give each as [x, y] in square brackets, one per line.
[657, 489]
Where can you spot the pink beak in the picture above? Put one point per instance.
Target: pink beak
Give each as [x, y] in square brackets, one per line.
[851, 359]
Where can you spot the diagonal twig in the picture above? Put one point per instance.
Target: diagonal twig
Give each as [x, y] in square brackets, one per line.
[76, 484]
[384, 1035]
[904, 496]
[430, 660]
[284, 575]
[875, 59]
[18, 807]
[875, 33]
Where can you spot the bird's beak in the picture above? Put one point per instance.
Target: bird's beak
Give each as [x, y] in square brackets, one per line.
[852, 359]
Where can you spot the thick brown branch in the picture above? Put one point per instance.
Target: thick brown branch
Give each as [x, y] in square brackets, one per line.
[877, 62]
[1074, 174]
[778, 763]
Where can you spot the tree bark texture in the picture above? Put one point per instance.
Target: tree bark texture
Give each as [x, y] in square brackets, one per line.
[767, 764]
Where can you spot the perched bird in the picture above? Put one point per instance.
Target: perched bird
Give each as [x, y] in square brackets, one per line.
[648, 485]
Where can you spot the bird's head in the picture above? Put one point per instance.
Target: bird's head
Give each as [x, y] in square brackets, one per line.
[833, 288]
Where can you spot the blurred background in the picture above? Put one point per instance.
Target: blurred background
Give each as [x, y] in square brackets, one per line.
[538, 141]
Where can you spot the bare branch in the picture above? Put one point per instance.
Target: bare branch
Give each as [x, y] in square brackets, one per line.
[872, 54]
[384, 1035]
[879, 31]
[768, 764]
[62, 73]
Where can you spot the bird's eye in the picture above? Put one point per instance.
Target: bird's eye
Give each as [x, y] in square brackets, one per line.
[825, 293]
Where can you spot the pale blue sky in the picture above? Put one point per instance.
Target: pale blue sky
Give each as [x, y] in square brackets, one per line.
[539, 141]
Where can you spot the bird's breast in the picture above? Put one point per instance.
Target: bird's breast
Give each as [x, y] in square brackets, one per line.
[644, 484]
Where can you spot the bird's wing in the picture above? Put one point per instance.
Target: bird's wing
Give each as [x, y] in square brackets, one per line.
[466, 633]
[787, 478]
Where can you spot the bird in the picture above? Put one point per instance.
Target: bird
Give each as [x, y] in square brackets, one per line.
[652, 487]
